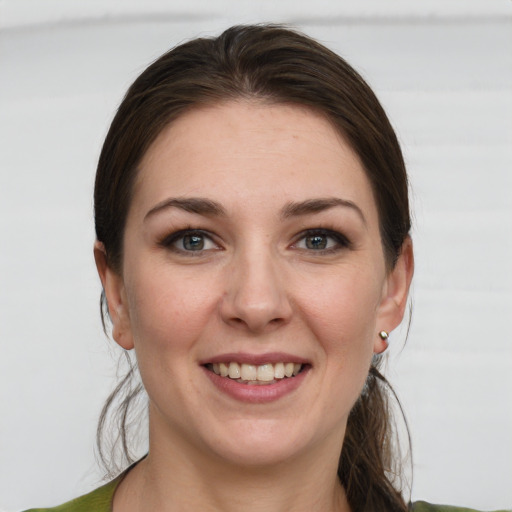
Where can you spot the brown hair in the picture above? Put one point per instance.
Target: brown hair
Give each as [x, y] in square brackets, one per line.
[278, 65]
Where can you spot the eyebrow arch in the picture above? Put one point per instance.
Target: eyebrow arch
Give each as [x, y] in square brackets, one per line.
[319, 205]
[197, 205]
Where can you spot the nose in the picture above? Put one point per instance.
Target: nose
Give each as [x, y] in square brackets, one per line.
[255, 298]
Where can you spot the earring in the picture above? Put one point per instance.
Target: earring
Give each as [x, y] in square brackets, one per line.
[384, 337]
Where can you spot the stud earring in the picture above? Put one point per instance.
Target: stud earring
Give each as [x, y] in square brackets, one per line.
[383, 335]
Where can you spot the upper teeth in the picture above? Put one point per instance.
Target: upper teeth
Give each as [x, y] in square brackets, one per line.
[263, 372]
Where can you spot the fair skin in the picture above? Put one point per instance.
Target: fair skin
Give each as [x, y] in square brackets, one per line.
[252, 238]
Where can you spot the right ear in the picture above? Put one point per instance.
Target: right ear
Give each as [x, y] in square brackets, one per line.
[114, 289]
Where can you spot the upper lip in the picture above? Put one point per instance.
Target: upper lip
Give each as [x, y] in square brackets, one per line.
[255, 359]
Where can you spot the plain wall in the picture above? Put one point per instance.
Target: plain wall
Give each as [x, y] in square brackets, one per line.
[443, 70]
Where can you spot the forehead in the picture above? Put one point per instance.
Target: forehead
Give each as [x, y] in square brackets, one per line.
[246, 151]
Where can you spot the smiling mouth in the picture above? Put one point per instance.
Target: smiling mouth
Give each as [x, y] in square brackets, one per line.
[256, 375]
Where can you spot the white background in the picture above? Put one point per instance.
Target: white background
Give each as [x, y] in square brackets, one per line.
[443, 70]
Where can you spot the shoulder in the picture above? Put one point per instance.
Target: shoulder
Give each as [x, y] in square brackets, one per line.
[423, 506]
[99, 500]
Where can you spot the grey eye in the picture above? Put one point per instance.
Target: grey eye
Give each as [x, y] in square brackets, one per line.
[193, 242]
[316, 242]
[322, 241]
[189, 241]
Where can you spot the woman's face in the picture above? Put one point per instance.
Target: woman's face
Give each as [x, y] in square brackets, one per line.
[252, 248]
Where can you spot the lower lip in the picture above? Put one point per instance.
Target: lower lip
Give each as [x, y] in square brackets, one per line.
[257, 394]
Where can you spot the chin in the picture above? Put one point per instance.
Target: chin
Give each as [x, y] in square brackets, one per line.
[257, 444]
[257, 455]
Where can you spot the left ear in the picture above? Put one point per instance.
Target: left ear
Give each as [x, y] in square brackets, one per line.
[394, 294]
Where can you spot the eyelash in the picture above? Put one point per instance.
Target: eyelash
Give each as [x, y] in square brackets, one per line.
[169, 241]
[340, 241]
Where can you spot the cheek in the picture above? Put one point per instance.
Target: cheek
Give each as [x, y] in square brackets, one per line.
[168, 311]
[342, 316]
[343, 308]
[168, 315]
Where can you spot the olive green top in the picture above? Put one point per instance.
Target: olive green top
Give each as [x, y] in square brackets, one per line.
[422, 506]
[100, 500]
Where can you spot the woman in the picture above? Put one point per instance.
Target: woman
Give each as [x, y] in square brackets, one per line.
[252, 226]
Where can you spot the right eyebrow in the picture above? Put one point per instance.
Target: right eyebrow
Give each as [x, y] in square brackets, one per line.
[197, 205]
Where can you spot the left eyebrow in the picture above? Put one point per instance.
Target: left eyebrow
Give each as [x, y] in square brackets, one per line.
[309, 206]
